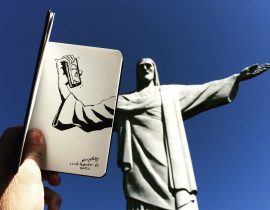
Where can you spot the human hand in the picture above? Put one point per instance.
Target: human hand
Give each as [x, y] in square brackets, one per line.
[252, 71]
[24, 190]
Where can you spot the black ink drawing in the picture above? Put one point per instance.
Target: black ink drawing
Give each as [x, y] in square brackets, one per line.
[69, 64]
[72, 112]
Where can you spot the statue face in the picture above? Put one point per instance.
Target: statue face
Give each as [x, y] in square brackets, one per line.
[146, 71]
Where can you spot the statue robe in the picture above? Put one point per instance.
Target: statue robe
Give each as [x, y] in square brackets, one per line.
[155, 167]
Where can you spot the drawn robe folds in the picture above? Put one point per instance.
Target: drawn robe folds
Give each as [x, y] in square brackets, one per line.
[72, 112]
[153, 149]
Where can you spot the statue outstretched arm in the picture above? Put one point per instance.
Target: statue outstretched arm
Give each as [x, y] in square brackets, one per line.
[195, 99]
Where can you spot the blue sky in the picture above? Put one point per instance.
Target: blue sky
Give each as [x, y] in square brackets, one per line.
[192, 42]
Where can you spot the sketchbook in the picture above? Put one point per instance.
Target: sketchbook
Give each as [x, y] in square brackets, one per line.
[73, 102]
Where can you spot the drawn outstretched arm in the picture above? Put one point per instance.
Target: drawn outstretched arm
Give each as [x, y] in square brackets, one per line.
[73, 113]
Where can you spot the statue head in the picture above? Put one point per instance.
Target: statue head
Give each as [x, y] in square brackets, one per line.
[146, 71]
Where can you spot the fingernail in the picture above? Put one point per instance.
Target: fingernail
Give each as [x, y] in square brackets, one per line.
[34, 135]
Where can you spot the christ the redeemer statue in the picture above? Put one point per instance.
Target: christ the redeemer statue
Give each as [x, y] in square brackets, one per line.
[153, 148]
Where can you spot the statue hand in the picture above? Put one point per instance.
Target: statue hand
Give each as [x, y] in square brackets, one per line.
[252, 71]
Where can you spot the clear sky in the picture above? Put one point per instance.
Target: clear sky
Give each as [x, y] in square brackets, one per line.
[192, 42]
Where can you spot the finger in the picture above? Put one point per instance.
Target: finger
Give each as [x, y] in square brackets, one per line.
[34, 146]
[10, 144]
[9, 139]
[69, 59]
[253, 67]
[250, 68]
[52, 177]
[60, 69]
[265, 66]
[261, 68]
[72, 58]
[65, 58]
[52, 199]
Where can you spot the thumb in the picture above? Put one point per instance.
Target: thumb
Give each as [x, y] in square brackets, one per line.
[34, 146]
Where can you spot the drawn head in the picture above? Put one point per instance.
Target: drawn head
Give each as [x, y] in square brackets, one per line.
[75, 72]
[146, 71]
